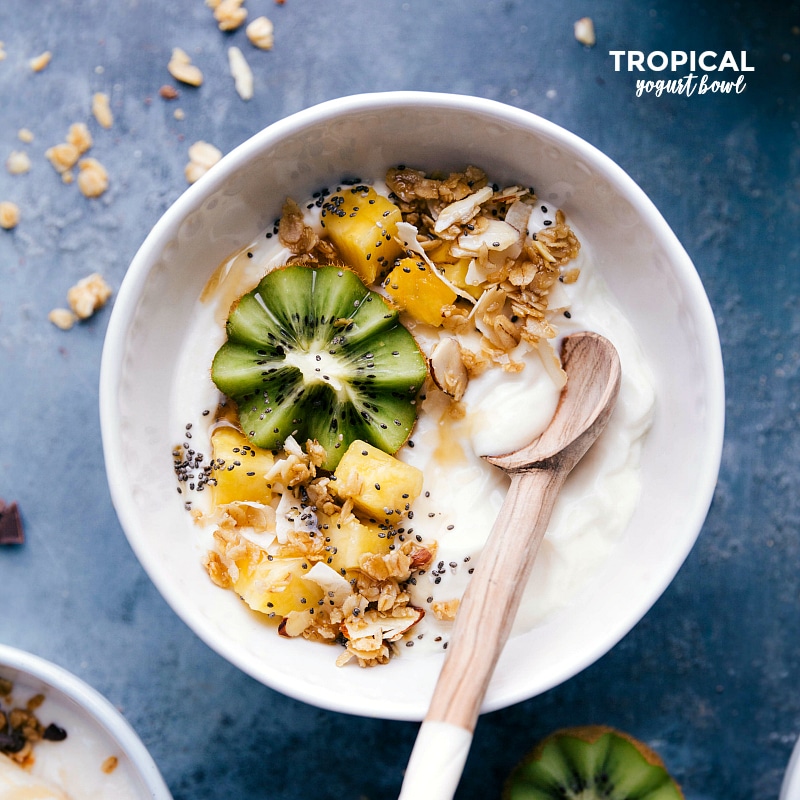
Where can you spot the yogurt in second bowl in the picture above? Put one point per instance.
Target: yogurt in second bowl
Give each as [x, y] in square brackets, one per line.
[90, 752]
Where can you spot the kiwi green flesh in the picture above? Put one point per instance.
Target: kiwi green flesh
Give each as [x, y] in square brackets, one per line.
[608, 768]
[312, 353]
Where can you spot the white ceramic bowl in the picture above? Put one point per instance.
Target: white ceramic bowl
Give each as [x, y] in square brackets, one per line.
[645, 266]
[95, 731]
[790, 788]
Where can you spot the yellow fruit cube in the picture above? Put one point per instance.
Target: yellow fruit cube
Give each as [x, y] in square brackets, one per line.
[454, 268]
[275, 586]
[380, 485]
[347, 541]
[456, 273]
[361, 224]
[238, 468]
[414, 287]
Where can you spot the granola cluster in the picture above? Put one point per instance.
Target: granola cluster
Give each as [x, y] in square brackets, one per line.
[92, 176]
[21, 729]
[513, 269]
[366, 609]
[86, 297]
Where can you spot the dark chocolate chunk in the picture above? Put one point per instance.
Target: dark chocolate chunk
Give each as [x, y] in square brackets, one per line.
[11, 530]
[54, 733]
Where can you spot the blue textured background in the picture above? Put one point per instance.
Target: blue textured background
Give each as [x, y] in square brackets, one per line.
[710, 677]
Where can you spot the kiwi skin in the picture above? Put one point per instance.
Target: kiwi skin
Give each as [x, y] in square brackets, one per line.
[655, 783]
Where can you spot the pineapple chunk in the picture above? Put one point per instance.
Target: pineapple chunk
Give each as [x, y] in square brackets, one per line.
[277, 586]
[350, 540]
[378, 484]
[414, 287]
[454, 268]
[241, 475]
[456, 273]
[361, 224]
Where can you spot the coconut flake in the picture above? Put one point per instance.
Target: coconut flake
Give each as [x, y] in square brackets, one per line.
[388, 628]
[495, 234]
[552, 363]
[291, 516]
[330, 581]
[462, 210]
[558, 298]
[518, 215]
[241, 73]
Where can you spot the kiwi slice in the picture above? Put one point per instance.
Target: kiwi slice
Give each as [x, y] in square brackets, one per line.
[591, 763]
[312, 352]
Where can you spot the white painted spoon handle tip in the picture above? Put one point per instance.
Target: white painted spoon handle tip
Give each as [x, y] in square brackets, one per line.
[436, 762]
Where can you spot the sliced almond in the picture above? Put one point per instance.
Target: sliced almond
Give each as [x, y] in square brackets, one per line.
[295, 623]
[447, 368]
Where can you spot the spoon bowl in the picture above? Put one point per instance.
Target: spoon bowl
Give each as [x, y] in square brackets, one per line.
[582, 411]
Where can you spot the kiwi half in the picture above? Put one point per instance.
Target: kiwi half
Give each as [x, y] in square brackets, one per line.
[591, 763]
[312, 352]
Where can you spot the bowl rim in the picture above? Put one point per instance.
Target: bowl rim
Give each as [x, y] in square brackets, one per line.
[101, 710]
[790, 786]
[133, 283]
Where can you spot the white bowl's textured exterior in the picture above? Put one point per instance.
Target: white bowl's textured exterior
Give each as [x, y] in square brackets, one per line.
[640, 258]
[99, 714]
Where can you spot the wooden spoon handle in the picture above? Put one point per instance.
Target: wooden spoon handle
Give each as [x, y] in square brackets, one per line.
[489, 605]
[482, 625]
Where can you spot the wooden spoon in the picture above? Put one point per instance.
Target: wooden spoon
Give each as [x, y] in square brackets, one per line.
[490, 603]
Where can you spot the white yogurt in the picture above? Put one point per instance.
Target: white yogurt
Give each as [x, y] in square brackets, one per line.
[462, 493]
[73, 766]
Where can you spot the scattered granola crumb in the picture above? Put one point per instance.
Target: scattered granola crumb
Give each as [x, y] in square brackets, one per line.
[202, 156]
[2, 51]
[241, 73]
[261, 32]
[24, 135]
[88, 295]
[38, 63]
[181, 68]
[229, 14]
[79, 137]
[445, 609]
[18, 162]
[68, 177]
[9, 215]
[101, 108]
[62, 318]
[168, 92]
[584, 31]
[179, 114]
[92, 178]
[109, 765]
[62, 156]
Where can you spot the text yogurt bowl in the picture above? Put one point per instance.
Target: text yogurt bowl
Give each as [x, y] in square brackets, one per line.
[651, 276]
[96, 731]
